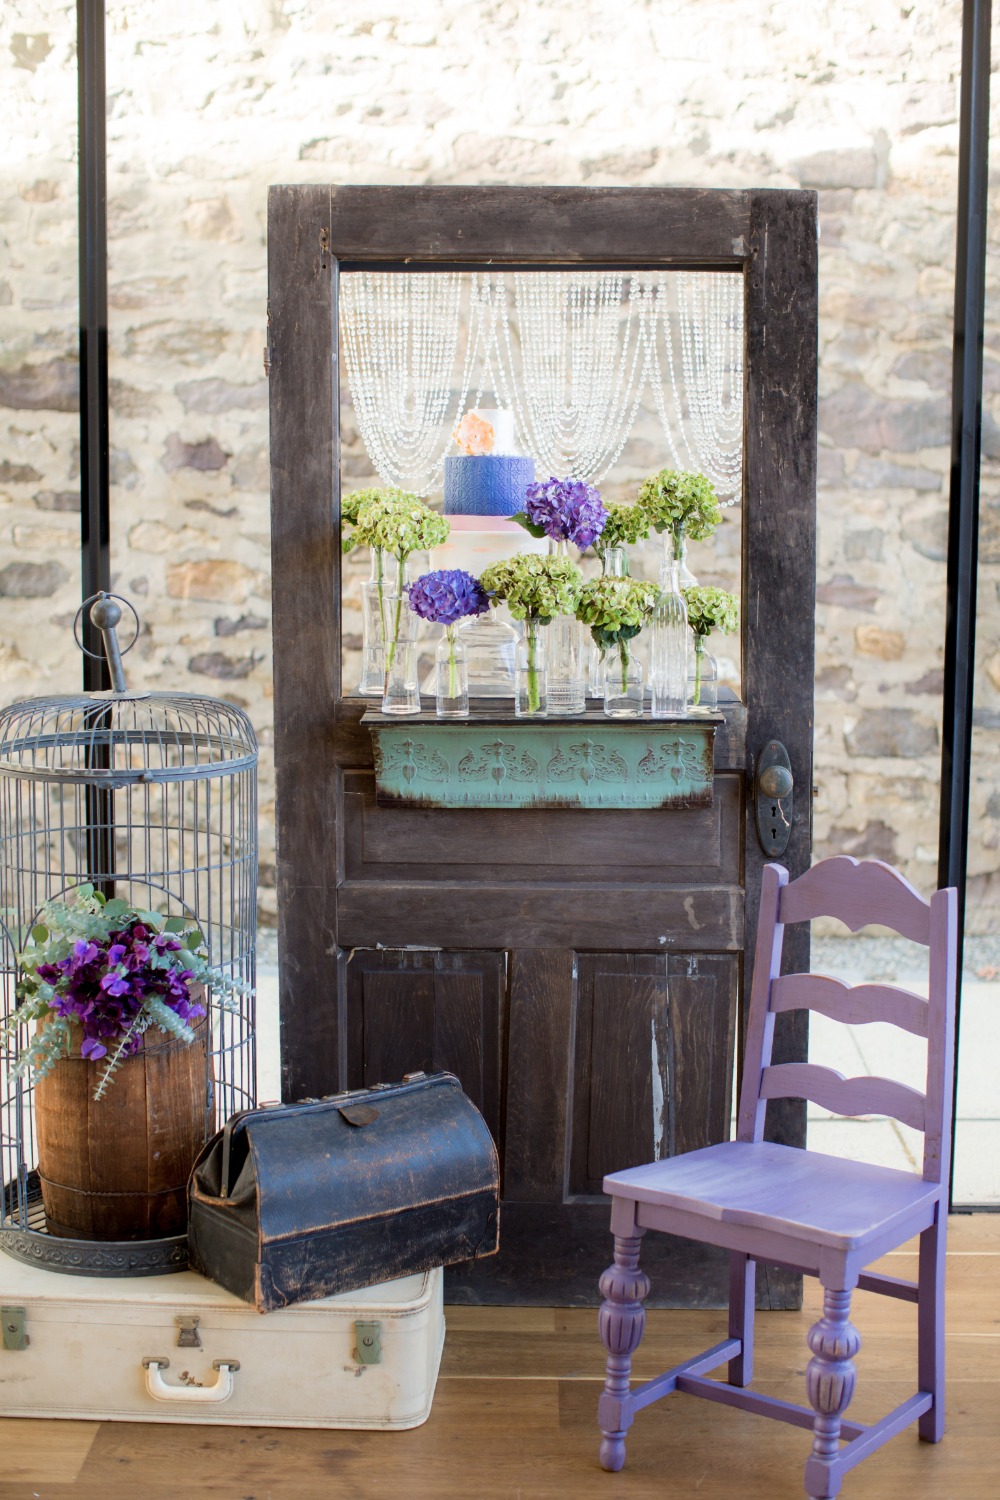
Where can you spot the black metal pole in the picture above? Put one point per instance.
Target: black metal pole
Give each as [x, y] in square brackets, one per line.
[95, 510]
[966, 430]
[95, 526]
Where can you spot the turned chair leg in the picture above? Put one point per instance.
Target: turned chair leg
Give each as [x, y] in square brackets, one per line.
[742, 1301]
[622, 1320]
[830, 1380]
[930, 1327]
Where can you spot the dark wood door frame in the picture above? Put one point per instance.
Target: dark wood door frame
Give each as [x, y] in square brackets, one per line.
[770, 236]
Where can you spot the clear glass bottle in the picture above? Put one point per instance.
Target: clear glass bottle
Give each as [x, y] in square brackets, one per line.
[622, 683]
[669, 642]
[452, 676]
[490, 648]
[703, 684]
[567, 659]
[530, 676]
[675, 551]
[381, 581]
[614, 564]
[401, 689]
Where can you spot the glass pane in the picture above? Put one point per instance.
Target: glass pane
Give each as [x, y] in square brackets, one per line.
[603, 376]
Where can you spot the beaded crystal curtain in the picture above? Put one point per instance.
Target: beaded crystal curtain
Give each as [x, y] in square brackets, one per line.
[571, 353]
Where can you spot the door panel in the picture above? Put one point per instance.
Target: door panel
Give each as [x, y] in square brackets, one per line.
[654, 1057]
[412, 1012]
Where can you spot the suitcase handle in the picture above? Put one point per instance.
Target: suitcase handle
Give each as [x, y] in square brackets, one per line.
[219, 1390]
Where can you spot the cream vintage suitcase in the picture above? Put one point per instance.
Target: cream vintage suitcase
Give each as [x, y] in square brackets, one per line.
[181, 1349]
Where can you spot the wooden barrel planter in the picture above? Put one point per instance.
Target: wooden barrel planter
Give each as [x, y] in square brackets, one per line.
[117, 1169]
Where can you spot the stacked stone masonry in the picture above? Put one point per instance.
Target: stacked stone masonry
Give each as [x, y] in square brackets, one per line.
[211, 102]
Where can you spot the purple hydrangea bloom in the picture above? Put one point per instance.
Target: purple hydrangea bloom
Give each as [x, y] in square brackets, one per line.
[567, 509]
[447, 596]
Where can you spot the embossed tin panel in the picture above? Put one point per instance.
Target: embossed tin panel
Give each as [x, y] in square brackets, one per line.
[495, 761]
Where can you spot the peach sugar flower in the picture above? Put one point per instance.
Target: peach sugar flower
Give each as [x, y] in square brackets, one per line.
[474, 435]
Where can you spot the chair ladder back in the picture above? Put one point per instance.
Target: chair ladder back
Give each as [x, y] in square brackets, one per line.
[760, 1020]
[941, 1033]
[857, 892]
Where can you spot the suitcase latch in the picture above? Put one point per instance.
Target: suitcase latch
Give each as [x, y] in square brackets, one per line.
[14, 1335]
[368, 1337]
[188, 1336]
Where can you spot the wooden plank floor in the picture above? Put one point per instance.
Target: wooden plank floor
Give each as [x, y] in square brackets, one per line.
[513, 1418]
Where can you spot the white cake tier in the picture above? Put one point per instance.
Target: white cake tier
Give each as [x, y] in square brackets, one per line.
[502, 422]
[477, 541]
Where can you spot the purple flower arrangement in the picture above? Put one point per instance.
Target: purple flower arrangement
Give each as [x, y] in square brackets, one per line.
[107, 971]
[565, 510]
[447, 596]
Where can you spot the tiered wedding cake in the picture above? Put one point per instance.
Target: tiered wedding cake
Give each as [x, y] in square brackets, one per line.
[488, 477]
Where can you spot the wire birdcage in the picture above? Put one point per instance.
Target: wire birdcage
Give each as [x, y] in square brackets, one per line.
[151, 797]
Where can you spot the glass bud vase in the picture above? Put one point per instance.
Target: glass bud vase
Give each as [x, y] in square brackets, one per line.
[401, 690]
[567, 659]
[382, 580]
[703, 684]
[452, 676]
[614, 564]
[622, 683]
[669, 641]
[530, 676]
[675, 551]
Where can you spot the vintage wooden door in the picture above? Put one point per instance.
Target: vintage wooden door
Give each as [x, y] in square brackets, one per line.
[580, 970]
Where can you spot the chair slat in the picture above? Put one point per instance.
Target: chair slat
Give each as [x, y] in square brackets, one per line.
[855, 1005]
[857, 893]
[845, 1096]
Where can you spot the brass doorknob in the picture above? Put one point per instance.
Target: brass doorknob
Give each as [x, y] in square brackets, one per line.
[777, 781]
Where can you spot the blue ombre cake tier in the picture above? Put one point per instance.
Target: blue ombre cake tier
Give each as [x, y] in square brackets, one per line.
[490, 484]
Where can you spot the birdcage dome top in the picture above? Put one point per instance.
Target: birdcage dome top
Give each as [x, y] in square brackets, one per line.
[116, 738]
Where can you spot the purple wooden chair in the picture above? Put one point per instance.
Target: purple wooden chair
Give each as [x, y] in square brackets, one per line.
[818, 1214]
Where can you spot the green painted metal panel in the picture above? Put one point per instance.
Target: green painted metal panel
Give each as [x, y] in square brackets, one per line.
[502, 761]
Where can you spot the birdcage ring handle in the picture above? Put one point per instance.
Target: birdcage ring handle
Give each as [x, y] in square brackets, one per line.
[102, 594]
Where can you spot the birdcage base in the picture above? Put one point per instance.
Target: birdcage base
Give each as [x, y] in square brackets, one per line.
[74, 1257]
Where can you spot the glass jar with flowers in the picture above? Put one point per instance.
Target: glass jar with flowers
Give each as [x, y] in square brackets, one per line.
[708, 609]
[445, 597]
[98, 979]
[616, 609]
[382, 579]
[569, 513]
[398, 524]
[680, 505]
[536, 590]
[625, 526]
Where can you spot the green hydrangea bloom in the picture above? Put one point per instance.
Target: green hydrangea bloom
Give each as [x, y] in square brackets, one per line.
[711, 609]
[354, 506]
[536, 588]
[400, 523]
[616, 609]
[626, 525]
[681, 502]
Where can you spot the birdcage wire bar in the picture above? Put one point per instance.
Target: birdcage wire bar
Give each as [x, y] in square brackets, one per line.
[153, 798]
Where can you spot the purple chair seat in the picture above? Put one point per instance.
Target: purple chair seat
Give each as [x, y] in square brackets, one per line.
[801, 1196]
[822, 1215]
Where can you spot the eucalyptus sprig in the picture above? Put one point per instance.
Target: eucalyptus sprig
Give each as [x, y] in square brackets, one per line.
[682, 503]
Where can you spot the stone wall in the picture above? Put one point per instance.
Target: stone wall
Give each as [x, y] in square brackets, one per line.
[211, 102]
